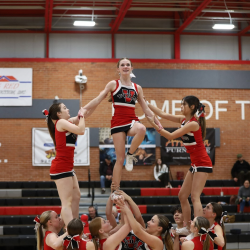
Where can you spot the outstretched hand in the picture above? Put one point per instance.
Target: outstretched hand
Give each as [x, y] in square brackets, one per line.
[152, 122]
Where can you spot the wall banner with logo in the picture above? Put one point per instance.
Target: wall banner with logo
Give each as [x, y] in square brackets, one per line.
[43, 149]
[173, 152]
[145, 154]
[15, 86]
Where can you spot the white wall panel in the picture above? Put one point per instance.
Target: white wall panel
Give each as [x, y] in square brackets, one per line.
[22, 45]
[209, 47]
[245, 48]
[80, 46]
[144, 46]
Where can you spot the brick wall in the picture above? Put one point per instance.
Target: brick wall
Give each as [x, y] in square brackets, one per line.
[57, 78]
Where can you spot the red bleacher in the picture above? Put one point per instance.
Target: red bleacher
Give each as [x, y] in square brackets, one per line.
[28, 210]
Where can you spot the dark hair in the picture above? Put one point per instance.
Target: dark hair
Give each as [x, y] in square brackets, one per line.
[74, 227]
[176, 208]
[44, 218]
[203, 222]
[54, 108]
[164, 223]
[218, 210]
[193, 100]
[157, 165]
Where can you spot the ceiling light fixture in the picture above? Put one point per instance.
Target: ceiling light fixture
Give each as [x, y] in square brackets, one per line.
[225, 26]
[84, 23]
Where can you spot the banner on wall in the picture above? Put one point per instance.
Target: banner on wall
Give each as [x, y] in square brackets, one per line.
[43, 149]
[15, 86]
[173, 152]
[145, 153]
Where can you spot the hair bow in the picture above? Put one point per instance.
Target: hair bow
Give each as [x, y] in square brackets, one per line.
[169, 225]
[37, 221]
[46, 113]
[224, 214]
[211, 234]
[201, 110]
[73, 240]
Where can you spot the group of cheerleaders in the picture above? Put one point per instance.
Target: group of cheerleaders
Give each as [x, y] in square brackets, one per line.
[205, 231]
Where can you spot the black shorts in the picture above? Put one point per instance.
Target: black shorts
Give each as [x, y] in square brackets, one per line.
[62, 175]
[124, 129]
[201, 169]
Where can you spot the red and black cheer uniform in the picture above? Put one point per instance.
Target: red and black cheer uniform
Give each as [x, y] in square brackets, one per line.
[200, 161]
[62, 165]
[131, 242]
[199, 240]
[45, 246]
[82, 244]
[212, 229]
[123, 99]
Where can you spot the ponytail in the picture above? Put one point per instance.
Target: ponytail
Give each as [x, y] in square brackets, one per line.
[206, 243]
[166, 226]
[95, 243]
[39, 238]
[168, 241]
[202, 122]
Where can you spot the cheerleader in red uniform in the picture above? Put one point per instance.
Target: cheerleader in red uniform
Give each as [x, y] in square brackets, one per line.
[52, 223]
[124, 94]
[74, 240]
[203, 238]
[64, 130]
[214, 213]
[192, 133]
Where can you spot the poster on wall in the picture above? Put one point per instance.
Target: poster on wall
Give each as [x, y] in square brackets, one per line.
[43, 149]
[145, 153]
[15, 86]
[173, 152]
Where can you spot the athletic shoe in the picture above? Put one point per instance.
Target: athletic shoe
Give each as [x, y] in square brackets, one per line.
[182, 231]
[103, 191]
[129, 162]
[114, 196]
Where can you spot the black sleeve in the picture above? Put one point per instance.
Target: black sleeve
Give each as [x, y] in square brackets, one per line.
[233, 171]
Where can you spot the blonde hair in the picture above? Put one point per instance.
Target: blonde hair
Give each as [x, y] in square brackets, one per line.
[94, 226]
[203, 222]
[44, 218]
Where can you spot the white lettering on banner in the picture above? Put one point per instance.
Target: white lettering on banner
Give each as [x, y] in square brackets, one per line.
[217, 109]
[173, 106]
[242, 108]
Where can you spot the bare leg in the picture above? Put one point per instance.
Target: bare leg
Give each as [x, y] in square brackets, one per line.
[199, 181]
[138, 131]
[65, 188]
[76, 198]
[119, 142]
[183, 197]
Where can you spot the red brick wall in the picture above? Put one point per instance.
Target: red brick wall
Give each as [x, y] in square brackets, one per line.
[57, 78]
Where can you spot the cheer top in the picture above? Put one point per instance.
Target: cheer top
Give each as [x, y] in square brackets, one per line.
[198, 243]
[123, 99]
[65, 146]
[82, 244]
[212, 229]
[193, 140]
[45, 246]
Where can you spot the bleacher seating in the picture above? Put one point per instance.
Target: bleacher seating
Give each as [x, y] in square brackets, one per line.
[21, 201]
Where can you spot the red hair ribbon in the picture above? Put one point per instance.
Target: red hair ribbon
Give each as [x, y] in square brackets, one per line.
[74, 241]
[46, 112]
[37, 221]
[202, 115]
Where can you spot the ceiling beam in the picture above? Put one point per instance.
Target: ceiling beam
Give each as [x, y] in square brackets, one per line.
[193, 15]
[244, 31]
[46, 16]
[123, 10]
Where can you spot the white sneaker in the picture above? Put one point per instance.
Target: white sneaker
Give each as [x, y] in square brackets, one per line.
[114, 196]
[129, 162]
[182, 231]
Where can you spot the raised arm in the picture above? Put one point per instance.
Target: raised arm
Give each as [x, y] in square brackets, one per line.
[192, 126]
[109, 215]
[162, 114]
[135, 209]
[154, 242]
[92, 105]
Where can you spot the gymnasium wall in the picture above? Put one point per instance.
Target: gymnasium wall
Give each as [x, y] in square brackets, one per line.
[129, 45]
[57, 78]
